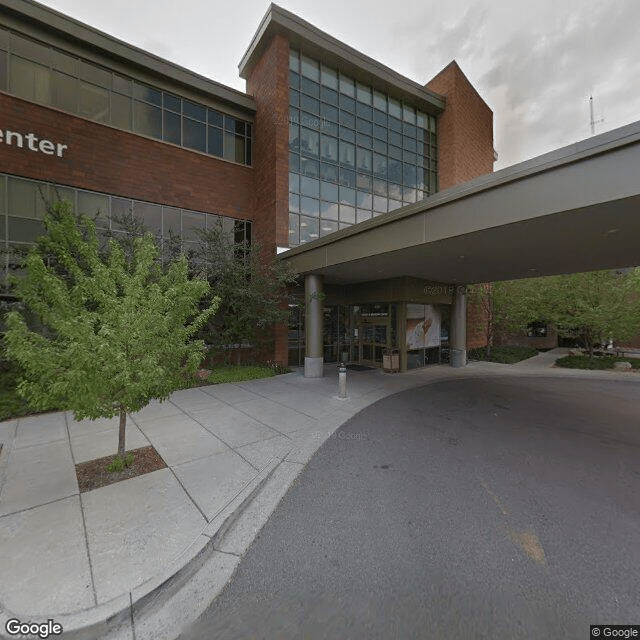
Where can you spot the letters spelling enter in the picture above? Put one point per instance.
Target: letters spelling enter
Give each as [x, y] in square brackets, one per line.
[32, 143]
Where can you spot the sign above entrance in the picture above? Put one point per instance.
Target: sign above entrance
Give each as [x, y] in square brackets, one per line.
[31, 142]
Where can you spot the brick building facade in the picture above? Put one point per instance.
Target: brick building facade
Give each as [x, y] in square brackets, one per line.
[323, 138]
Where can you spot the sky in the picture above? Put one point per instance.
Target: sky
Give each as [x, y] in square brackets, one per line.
[534, 63]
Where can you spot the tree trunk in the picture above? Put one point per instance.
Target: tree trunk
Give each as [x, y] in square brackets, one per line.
[123, 424]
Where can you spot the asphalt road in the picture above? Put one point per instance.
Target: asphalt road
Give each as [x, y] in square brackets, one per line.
[471, 508]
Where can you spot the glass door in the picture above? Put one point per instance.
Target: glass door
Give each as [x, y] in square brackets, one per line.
[373, 341]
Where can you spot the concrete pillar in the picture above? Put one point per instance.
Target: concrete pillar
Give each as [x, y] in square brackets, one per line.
[314, 303]
[458, 352]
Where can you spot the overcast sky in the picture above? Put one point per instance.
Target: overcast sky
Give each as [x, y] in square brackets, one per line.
[534, 63]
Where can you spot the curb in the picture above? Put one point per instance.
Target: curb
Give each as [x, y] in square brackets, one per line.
[118, 618]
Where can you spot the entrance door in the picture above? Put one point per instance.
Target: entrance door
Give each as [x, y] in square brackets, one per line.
[373, 342]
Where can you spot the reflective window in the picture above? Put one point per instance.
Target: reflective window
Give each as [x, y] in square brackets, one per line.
[373, 154]
[23, 204]
[43, 74]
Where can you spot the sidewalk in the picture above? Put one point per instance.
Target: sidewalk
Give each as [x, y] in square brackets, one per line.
[151, 552]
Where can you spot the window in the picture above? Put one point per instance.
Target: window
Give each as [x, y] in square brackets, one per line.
[43, 74]
[537, 330]
[375, 152]
[23, 204]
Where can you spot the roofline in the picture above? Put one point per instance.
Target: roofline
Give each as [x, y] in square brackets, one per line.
[72, 29]
[572, 153]
[312, 40]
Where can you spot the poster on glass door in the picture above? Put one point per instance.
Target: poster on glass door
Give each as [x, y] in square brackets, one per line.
[423, 326]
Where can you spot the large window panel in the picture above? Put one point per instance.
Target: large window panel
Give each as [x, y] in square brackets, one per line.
[294, 229]
[229, 146]
[310, 68]
[329, 210]
[171, 131]
[171, 225]
[24, 230]
[364, 159]
[329, 149]
[192, 223]
[215, 141]
[309, 187]
[309, 167]
[309, 142]
[26, 198]
[3, 71]
[329, 191]
[308, 229]
[64, 91]
[150, 214]
[194, 135]
[93, 102]
[94, 205]
[30, 80]
[327, 227]
[147, 119]
[121, 111]
[194, 111]
[329, 172]
[347, 154]
[147, 93]
[310, 206]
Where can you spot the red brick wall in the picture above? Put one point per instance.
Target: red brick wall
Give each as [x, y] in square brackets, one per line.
[465, 151]
[101, 158]
[465, 129]
[268, 83]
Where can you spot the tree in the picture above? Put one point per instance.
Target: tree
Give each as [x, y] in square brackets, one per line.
[251, 287]
[114, 333]
[598, 306]
[504, 306]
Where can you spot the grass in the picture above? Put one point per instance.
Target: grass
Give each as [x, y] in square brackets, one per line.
[238, 373]
[597, 362]
[504, 355]
[13, 406]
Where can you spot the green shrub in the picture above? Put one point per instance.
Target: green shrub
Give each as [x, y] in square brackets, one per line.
[118, 464]
[597, 363]
[503, 355]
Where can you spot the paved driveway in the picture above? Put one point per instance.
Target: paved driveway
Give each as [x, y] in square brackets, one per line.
[470, 508]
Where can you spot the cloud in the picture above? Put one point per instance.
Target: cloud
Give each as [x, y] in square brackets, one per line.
[541, 78]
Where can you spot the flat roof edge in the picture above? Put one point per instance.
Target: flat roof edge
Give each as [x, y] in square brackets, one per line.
[569, 154]
[279, 20]
[74, 29]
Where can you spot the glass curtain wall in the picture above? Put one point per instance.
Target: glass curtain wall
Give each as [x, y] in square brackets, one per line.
[23, 204]
[43, 74]
[355, 152]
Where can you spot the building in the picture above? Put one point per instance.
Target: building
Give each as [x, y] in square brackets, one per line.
[324, 138]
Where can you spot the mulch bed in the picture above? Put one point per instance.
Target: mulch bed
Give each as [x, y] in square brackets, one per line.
[93, 474]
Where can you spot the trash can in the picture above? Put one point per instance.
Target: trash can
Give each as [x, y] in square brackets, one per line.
[391, 361]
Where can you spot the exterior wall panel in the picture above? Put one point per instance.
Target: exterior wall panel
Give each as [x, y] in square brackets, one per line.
[101, 158]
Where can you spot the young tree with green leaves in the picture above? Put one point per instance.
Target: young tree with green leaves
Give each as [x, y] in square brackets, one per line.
[597, 306]
[504, 306]
[252, 289]
[116, 332]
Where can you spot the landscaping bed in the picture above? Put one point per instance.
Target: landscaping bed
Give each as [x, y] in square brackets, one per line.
[503, 355]
[597, 362]
[93, 474]
[13, 406]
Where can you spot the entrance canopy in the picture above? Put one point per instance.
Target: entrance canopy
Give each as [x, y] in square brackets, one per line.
[574, 209]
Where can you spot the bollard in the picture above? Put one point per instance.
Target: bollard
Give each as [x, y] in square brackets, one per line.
[342, 380]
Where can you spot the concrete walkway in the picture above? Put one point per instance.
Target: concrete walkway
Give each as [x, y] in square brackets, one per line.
[147, 555]
[544, 359]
